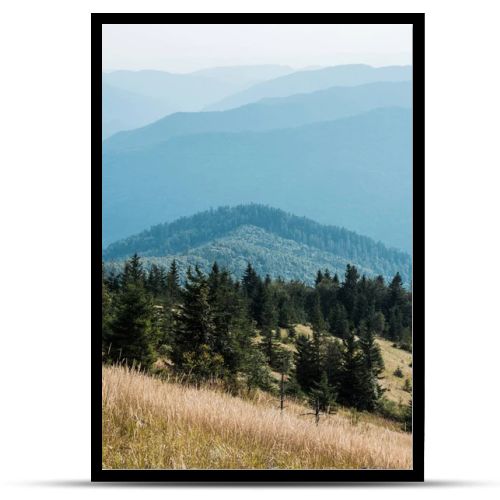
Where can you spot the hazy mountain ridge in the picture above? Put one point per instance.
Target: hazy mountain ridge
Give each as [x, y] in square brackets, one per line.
[124, 110]
[132, 99]
[367, 159]
[272, 113]
[245, 75]
[313, 80]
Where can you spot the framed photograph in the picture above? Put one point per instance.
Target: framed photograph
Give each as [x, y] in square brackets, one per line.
[258, 247]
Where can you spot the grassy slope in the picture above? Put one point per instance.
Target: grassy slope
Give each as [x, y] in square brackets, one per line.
[148, 423]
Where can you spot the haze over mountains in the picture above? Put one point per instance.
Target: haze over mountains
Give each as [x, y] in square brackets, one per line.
[134, 98]
[268, 114]
[275, 242]
[353, 172]
[310, 81]
[332, 144]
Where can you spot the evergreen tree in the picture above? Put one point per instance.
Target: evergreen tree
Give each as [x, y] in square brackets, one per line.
[194, 334]
[319, 278]
[253, 290]
[317, 320]
[348, 290]
[232, 332]
[370, 371]
[172, 285]
[350, 384]
[132, 335]
[291, 332]
[256, 370]
[338, 323]
[133, 272]
[322, 396]
[307, 371]
[333, 364]
[156, 280]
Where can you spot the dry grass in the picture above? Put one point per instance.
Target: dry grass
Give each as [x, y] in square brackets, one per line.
[149, 423]
[394, 357]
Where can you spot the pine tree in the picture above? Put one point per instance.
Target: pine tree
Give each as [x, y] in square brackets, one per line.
[317, 320]
[256, 370]
[133, 272]
[155, 282]
[133, 335]
[195, 330]
[319, 278]
[350, 383]
[321, 396]
[232, 333]
[338, 323]
[291, 332]
[307, 371]
[172, 284]
[253, 290]
[333, 364]
[348, 290]
[371, 369]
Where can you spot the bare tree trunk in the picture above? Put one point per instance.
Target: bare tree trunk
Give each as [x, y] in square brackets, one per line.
[282, 391]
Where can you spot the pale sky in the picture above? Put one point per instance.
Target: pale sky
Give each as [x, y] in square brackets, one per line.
[188, 47]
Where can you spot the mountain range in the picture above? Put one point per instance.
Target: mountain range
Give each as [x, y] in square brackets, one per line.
[268, 114]
[275, 242]
[132, 99]
[312, 80]
[353, 172]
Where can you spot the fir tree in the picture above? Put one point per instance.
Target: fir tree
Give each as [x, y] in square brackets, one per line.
[322, 396]
[307, 371]
[172, 284]
[350, 383]
[370, 370]
[133, 272]
[348, 290]
[319, 278]
[132, 335]
[333, 364]
[338, 323]
[194, 334]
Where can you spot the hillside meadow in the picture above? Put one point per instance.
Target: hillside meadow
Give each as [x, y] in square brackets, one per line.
[150, 423]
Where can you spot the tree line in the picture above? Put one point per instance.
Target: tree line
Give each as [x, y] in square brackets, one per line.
[243, 332]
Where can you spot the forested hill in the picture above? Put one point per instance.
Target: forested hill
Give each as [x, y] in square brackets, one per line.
[276, 242]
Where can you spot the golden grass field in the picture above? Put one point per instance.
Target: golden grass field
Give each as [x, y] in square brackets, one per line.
[153, 424]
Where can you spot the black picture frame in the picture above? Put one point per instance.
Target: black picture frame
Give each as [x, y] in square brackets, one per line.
[254, 477]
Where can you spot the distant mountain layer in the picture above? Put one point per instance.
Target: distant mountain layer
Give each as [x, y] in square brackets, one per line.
[132, 99]
[245, 75]
[268, 114]
[353, 172]
[181, 91]
[310, 81]
[275, 242]
[124, 110]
